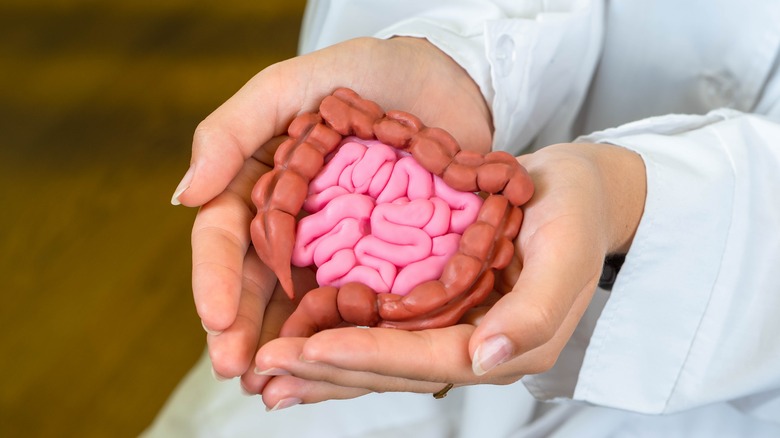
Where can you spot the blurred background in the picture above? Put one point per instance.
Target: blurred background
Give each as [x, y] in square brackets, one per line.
[98, 102]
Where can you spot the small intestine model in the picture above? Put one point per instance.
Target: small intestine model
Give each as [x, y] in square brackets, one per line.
[379, 218]
[404, 228]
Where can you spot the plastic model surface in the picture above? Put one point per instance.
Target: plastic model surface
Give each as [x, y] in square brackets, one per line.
[404, 227]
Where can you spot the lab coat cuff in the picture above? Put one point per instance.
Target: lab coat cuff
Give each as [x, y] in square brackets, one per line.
[647, 327]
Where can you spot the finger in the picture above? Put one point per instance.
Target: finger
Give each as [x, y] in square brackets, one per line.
[436, 355]
[281, 360]
[277, 310]
[285, 356]
[220, 239]
[282, 390]
[231, 134]
[556, 275]
[232, 351]
[254, 383]
[285, 391]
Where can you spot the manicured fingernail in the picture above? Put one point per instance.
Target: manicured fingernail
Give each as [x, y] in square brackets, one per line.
[183, 186]
[272, 372]
[209, 331]
[218, 377]
[491, 353]
[285, 403]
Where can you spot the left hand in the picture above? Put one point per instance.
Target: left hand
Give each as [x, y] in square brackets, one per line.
[588, 202]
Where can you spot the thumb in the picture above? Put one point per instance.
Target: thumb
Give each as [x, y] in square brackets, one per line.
[536, 319]
[217, 156]
[235, 131]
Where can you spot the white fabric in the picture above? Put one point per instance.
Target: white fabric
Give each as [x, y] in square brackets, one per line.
[687, 343]
[714, 264]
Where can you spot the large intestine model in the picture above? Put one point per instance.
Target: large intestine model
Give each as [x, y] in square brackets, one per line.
[405, 229]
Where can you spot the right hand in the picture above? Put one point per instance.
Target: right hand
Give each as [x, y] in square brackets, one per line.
[230, 286]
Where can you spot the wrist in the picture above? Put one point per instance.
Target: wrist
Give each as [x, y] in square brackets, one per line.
[625, 184]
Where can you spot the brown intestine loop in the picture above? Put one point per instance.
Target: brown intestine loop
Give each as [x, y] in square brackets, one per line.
[467, 277]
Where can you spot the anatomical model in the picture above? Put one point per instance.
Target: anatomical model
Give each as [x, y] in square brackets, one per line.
[404, 228]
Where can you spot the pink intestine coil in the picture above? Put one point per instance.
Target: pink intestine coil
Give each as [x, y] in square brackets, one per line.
[377, 217]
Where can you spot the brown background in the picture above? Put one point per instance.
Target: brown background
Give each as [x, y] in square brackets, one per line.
[98, 101]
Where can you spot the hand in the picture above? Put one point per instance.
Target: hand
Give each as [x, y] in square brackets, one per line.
[588, 202]
[230, 286]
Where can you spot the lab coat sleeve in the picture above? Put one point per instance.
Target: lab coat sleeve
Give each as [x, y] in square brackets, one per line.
[694, 315]
[533, 61]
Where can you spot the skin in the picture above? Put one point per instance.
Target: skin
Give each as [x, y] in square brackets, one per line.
[588, 203]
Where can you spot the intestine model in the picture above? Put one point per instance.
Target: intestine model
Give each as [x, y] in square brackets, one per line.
[405, 228]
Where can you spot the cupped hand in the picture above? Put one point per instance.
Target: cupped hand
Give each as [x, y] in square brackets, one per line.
[230, 286]
[587, 204]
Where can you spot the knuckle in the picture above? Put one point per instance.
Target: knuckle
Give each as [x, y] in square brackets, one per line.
[202, 133]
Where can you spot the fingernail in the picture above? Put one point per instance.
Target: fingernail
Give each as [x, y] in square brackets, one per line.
[218, 377]
[285, 403]
[272, 372]
[491, 353]
[209, 331]
[183, 186]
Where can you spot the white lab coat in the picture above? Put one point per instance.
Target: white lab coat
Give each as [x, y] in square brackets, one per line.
[687, 343]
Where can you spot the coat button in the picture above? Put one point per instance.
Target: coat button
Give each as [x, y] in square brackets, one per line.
[505, 55]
